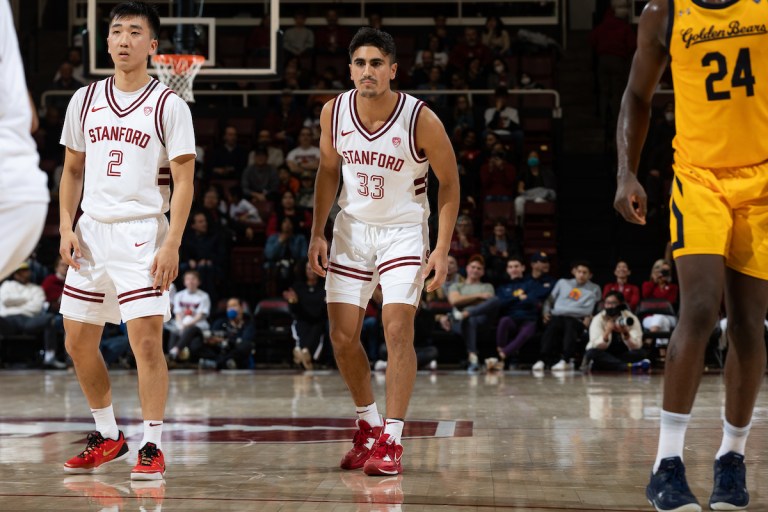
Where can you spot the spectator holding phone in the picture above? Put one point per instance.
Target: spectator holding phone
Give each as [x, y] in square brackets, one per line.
[660, 286]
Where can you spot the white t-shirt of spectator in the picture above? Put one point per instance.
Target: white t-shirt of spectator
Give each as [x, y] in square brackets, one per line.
[300, 156]
[508, 116]
[21, 299]
[188, 304]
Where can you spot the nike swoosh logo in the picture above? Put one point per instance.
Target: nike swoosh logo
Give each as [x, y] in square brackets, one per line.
[139, 245]
[107, 453]
[94, 109]
[154, 424]
[344, 134]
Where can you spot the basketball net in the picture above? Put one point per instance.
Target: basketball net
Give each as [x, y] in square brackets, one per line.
[178, 72]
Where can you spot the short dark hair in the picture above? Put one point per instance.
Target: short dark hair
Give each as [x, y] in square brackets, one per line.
[140, 9]
[615, 293]
[369, 36]
[476, 258]
[581, 263]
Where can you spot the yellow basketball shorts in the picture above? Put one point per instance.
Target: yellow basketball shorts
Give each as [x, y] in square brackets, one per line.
[722, 211]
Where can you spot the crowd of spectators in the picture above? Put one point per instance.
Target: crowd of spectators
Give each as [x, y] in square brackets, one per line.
[255, 190]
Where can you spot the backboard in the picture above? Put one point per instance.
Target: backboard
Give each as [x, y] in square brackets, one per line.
[240, 45]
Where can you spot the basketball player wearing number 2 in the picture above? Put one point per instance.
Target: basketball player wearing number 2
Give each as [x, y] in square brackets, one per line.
[383, 142]
[719, 222]
[125, 138]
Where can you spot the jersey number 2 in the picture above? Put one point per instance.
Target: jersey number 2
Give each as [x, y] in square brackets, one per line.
[742, 74]
[374, 182]
[117, 160]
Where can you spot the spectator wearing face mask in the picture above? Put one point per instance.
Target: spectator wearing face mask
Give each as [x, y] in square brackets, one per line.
[536, 183]
[231, 341]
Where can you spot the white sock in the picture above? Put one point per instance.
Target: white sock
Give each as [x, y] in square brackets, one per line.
[105, 422]
[153, 430]
[671, 436]
[394, 428]
[50, 355]
[369, 414]
[734, 439]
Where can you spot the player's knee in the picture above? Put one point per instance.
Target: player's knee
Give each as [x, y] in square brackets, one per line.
[746, 330]
[147, 348]
[74, 349]
[398, 333]
[342, 339]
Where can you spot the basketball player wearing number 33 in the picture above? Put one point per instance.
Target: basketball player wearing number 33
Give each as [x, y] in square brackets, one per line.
[383, 142]
[125, 138]
[719, 217]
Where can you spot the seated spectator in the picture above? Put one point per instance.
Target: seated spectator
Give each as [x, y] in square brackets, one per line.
[231, 342]
[75, 60]
[260, 180]
[497, 250]
[437, 55]
[304, 157]
[243, 215]
[630, 292]
[299, 40]
[53, 285]
[306, 300]
[526, 83]
[504, 120]
[22, 305]
[114, 345]
[316, 102]
[470, 47]
[306, 195]
[476, 74]
[615, 338]
[544, 283]
[284, 250]
[302, 219]
[452, 276]
[191, 306]
[518, 310]
[660, 286]
[464, 244]
[499, 74]
[275, 155]
[474, 304]
[371, 331]
[434, 83]
[567, 313]
[286, 182]
[497, 177]
[462, 118]
[285, 120]
[422, 66]
[332, 38]
[203, 250]
[229, 158]
[536, 183]
[495, 36]
[65, 82]
[215, 210]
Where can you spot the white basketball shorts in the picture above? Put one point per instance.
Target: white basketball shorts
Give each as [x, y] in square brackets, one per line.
[363, 256]
[114, 282]
[20, 228]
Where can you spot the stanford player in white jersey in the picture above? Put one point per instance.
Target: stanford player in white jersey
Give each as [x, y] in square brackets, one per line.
[23, 190]
[126, 137]
[384, 142]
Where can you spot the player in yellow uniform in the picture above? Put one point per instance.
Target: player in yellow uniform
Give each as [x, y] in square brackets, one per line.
[719, 222]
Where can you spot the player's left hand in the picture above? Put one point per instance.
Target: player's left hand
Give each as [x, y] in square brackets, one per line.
[438, 261]
[630, 200]
[165, 267]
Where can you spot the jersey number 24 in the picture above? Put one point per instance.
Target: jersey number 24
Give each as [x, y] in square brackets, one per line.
[742, 74]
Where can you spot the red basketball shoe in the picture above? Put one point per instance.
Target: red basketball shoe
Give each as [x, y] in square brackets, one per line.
[385, 460]
[151, 464]
[364, 440]
[99, 451]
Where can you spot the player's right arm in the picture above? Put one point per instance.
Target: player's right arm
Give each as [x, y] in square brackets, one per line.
[70, 189]
[326, 187]
[634, 117]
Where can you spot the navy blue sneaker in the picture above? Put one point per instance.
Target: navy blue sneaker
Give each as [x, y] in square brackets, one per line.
[730, 489]
[668, 490]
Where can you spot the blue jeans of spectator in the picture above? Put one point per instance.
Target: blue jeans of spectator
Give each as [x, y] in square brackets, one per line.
[479, 314]
[370, 333]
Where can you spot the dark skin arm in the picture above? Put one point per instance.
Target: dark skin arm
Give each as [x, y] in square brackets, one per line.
[647, 67]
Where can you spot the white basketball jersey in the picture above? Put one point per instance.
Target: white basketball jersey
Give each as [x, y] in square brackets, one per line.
[384, 176]
[128, 140]
[21, 180]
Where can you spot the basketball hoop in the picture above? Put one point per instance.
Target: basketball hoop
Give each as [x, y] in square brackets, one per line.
[178, 72]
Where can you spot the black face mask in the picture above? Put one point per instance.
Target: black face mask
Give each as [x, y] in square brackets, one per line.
[616, 310]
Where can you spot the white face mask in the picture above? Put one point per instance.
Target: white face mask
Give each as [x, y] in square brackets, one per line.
[669, 116]
[499, 69]
[525, 80]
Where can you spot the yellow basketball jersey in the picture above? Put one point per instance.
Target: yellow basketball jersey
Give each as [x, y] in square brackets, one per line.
[719, 64]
